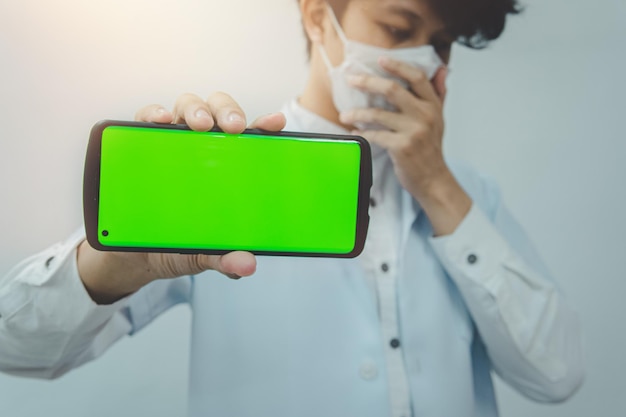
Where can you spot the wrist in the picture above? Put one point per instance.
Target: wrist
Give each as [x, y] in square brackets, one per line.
[446, 204]
[109, 276]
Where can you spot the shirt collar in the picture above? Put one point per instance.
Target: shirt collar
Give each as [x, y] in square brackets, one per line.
[304, 120]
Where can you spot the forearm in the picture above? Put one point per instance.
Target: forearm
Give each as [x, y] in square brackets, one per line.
[534, 346]
[531, 334]
[48, 323]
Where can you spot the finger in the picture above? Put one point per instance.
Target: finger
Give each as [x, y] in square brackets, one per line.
[273, 122]
[193, 111]
[439, 82]
[155, 113]
[391, 120]
[416, 77]
[233, 264]
[237, 263]
[385, 139]
[395, 93]
[227, 113]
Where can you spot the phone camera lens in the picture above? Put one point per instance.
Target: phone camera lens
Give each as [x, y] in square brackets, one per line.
[105, 233]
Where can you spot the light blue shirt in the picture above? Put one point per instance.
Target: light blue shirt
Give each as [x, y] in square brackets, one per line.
[302, 337]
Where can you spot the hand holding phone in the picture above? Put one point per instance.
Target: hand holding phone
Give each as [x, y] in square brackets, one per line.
[108, 276]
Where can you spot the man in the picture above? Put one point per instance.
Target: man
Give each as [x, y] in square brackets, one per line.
[447, 289]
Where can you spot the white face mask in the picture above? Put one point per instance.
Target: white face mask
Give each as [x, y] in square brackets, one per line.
[360, 58]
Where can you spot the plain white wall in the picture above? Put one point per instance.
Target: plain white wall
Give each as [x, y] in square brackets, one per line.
[540, 110]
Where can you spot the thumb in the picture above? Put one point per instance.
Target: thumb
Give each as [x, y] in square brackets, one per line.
[233, 264]
[439, 82]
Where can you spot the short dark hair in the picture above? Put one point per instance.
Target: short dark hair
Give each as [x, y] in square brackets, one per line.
[473, 23]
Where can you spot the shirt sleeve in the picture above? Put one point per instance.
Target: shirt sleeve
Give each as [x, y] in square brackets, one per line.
[531, 334]
[48, 322]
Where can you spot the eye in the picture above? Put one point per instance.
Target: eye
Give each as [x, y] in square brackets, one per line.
[398, 35]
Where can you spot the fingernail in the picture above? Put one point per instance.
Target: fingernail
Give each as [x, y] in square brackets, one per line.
[160, 111]
[201, 114]
[234, 117]
[384, 60]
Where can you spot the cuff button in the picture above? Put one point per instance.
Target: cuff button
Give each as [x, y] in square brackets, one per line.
[472, 259]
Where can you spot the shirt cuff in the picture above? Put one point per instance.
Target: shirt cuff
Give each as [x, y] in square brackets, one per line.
[50, 280]
[475, 249]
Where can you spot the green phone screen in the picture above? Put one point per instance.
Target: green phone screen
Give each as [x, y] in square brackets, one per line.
[166, 188]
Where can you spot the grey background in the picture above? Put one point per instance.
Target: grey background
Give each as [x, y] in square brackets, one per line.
[540, 110]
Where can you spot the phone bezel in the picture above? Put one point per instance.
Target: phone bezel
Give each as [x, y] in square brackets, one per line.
[91, 191]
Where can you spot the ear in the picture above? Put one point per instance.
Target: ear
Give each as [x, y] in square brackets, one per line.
[313, 15]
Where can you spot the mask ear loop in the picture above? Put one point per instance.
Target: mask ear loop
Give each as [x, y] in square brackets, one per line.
[324, 56]
[336, 25]
[342, 36]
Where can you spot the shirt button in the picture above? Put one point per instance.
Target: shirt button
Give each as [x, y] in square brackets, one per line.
[394, 343]
[472, 259]
[384, 267]
[368, 371]
[372, 202]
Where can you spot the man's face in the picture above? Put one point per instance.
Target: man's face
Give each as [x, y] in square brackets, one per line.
[396, 24]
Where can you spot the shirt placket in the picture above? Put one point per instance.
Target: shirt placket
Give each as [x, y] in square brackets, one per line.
[382, 268]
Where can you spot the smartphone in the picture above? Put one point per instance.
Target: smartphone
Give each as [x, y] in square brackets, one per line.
[164, 188]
